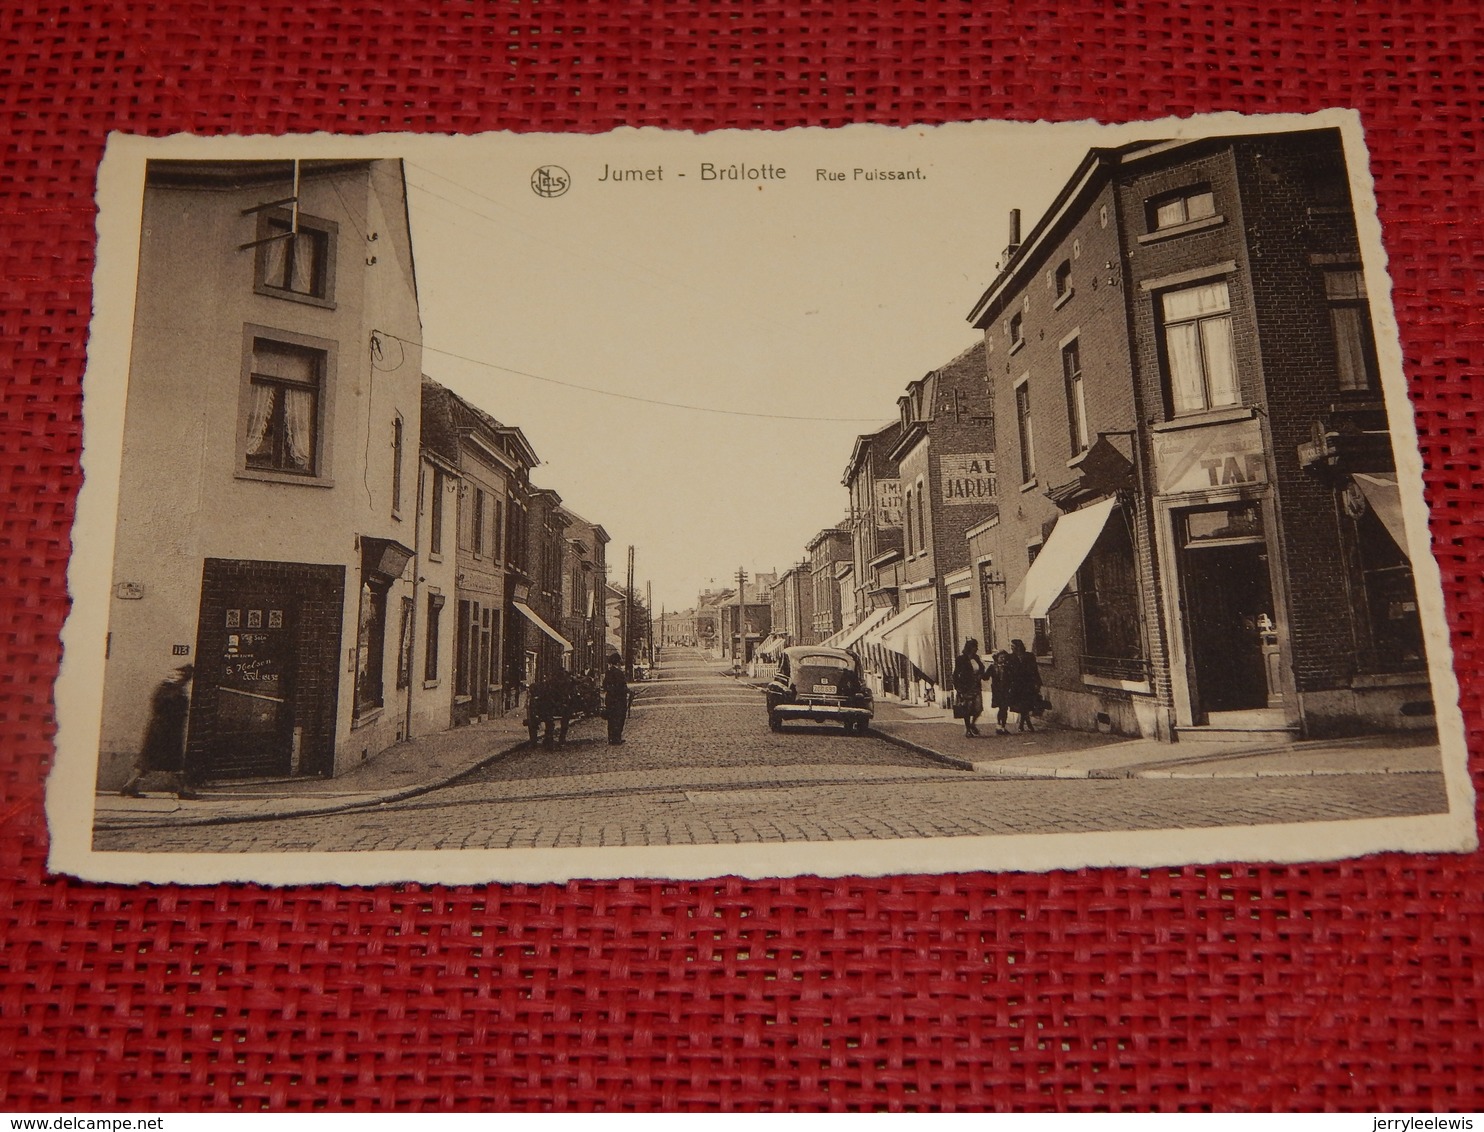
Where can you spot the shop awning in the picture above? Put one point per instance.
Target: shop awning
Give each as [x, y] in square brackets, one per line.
[770, 647]
[834, 639]
[867, 623]
[1385, 498]
[530, 615]
[1071, 541]
[912, 633]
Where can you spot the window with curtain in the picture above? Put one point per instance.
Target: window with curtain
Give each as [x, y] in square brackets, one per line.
[1027, 436]
[1183, 207]
[1350, 319]
[296, 263]
[283, 408]
[1199, 359]
[1071, 368]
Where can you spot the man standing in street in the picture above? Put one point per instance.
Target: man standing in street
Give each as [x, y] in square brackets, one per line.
[615, 699]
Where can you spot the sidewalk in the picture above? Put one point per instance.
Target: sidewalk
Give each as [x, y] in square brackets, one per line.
[1055, 752]
[426, 763]
[403, 771]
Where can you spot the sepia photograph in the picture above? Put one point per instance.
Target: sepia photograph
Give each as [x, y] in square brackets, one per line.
[827, 501]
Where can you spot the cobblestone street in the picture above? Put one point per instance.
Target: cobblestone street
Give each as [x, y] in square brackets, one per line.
[700, 767]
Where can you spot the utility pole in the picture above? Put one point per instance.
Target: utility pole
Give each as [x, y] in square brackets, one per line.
[741, 614]
[628, 619]
[649, 611]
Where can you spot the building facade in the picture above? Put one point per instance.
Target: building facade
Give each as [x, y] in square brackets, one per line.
[945, 459]
[267, 506]
[1208, 535]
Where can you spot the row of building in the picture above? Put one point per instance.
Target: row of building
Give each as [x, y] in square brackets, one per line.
[1166, 467]
[346, 552]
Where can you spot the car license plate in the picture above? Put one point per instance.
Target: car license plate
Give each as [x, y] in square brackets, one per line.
[824, 687]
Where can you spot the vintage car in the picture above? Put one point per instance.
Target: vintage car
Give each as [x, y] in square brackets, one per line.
[820, 684]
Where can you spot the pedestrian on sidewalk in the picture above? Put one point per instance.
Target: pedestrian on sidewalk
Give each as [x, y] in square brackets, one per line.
[541, 710]
[615, 699]
[968, 687]
[1023, 684]
[163, 748]
[999, 689]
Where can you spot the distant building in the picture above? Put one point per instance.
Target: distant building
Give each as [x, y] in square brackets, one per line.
[946, 463]
[829, 548]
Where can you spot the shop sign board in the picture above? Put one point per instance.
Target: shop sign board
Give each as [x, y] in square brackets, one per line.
[1229, 454]
[967, 478]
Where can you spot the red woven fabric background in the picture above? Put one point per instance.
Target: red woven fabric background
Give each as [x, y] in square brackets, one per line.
[1357, 985]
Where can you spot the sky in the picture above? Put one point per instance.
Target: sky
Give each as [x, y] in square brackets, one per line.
[788, 313]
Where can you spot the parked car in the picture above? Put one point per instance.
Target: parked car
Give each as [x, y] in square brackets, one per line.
[821, 685]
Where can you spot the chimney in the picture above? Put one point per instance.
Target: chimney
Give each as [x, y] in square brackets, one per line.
[1014, 245]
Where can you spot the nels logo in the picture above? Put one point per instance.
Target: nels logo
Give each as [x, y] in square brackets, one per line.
[550, 181]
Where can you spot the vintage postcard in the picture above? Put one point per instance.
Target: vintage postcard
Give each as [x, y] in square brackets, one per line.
[533, 507]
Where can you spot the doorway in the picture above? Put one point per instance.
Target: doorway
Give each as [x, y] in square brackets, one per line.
[1228, 611]
[265, 693]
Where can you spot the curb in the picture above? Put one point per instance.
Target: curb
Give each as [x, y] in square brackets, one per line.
[321, 811]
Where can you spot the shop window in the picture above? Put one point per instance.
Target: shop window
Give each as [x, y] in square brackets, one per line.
[1390, 596]
[404, 645]
[461, 651]
[1112, 633]
[1040, 626]
[1027, 432]
[435, 617]
[1350, 319]
[370, 646]
[1199, 359]
[296, 264]
[1184, 207]
[1071, 368]
[285, 381]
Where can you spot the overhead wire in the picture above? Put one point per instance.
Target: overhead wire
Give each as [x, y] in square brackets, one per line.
[629, 396]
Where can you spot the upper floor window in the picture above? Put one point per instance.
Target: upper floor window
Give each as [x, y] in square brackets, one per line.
[1071, 368]
[1198, 348]
[1062, 280]
[284, 385]
[1184, 207]
[478, 517]
[1017, 330]
[911, 544]
[296, 260]
[397, 430]
[1350, 318]
[435, 513]
[1027, 436]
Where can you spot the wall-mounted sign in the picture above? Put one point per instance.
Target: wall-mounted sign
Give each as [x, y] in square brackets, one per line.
[966, 478]
[888, 503]
[1212, 456]
[129, 591]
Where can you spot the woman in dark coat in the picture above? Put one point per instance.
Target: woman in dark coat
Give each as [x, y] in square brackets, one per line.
[999, 689]
[968, 691]
[163, 748]
[1022, 684]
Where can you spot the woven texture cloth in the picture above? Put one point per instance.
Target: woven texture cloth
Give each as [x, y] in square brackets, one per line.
[1347, 986]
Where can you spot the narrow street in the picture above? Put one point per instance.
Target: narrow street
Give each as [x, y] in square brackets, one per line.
[700, 767]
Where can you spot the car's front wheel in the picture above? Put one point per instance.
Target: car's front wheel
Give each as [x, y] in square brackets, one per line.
[774, 723]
